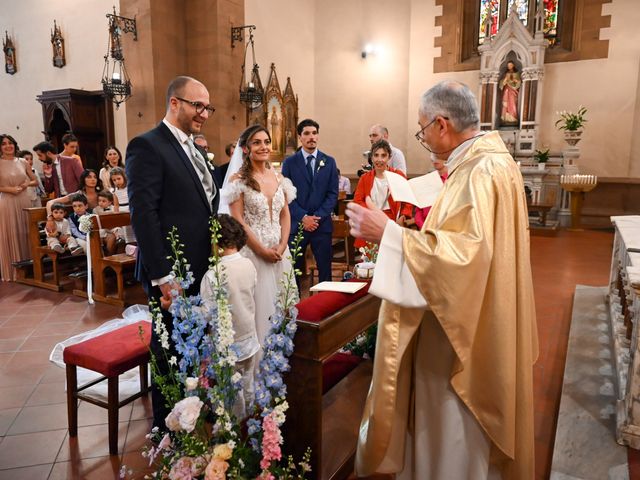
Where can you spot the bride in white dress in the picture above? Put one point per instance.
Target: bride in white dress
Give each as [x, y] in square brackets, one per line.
[258, 197]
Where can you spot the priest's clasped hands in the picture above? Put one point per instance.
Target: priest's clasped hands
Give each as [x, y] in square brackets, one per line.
[366, 223]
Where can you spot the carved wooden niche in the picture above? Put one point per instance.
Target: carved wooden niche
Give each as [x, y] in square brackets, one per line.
[274, 105]
[278, 113]
[290, 119]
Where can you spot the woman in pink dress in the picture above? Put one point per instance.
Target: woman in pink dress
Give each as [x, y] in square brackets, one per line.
[510, 86]
[15, 178]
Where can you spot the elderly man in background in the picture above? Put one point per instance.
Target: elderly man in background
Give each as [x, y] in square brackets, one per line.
[378, 132]
[452, 388]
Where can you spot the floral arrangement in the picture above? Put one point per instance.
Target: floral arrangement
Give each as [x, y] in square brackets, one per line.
[364, 345]
[369, 252]
[205, 439]
[571, 121]
[85, 224]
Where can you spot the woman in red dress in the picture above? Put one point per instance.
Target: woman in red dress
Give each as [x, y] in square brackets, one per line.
[374, 184]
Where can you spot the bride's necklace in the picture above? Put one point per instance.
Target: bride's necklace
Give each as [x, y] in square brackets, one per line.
[261, 178]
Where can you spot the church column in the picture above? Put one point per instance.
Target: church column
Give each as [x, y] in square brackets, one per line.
[192, 38]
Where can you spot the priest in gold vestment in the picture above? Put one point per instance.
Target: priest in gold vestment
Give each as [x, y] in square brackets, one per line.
[452, 389]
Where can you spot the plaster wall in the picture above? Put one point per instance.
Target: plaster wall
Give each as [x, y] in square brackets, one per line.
[85, 30]
[346, 93]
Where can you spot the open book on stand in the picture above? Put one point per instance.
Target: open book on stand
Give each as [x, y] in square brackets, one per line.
[419, 191]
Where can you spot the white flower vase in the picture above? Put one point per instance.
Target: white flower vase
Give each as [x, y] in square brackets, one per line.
[365, 269]
[541, 166]
[572, 137]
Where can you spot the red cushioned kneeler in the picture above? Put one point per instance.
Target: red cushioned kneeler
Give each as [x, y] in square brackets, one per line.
[110, 354]
[325, 304]
[336, 367]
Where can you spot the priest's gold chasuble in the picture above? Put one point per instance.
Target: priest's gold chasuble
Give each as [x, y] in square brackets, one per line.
[471, 264]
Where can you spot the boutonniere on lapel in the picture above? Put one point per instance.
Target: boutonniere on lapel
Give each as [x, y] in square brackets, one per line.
[320, 165]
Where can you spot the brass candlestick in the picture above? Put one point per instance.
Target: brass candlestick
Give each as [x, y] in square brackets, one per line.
[577, 185]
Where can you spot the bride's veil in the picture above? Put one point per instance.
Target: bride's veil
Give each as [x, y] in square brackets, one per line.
[234, 166]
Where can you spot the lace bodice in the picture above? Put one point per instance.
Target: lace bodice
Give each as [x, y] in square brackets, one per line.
[262, 214]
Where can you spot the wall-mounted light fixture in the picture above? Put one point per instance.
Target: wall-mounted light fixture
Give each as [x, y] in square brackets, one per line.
[115, 80]
[370, 49]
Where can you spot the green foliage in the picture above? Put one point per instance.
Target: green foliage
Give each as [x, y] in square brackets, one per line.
[542, 156]
[364, 345]
[572, 121]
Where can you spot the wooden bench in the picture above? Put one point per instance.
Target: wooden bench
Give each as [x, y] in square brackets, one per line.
[329, 423]
[101, 263]
[111, 355]
[35, 272]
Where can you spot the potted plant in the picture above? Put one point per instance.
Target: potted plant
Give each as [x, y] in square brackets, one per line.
[572, 124]
[542, 156]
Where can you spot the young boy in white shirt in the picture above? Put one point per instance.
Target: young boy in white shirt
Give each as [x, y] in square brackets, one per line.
[241, 278]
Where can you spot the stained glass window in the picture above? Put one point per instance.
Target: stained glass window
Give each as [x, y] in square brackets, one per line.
[489, 8]
[551, 18]
[498, 14]
[522, 7]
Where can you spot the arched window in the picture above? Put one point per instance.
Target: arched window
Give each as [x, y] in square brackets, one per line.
[571, 26]
[493, 13]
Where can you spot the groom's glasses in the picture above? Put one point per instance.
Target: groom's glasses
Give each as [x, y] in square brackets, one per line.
[199, 106]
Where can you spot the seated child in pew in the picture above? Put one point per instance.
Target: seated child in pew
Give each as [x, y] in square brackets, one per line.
[80, 206]
[119, 190]
[112, 239]
[121, 197]
[61, 237]
[241, 278]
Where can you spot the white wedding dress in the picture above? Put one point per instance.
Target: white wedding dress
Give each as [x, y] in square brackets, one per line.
[262, 216]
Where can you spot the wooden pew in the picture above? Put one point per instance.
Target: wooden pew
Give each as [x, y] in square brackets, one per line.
[329, 423]
[100, 263]
[42, 256]
[342, 245]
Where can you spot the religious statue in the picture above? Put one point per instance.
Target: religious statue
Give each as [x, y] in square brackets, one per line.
[510, 85]
[57, 41]
[274, 125]
[9, 55]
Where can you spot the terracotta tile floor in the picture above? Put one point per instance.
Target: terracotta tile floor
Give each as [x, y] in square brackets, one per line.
[33, 438]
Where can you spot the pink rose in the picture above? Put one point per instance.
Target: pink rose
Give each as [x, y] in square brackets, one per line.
[181, 470]
[216, 470]
[187, 468]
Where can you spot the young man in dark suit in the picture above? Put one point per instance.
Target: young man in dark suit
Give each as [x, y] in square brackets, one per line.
[315, 175]
[170, 184]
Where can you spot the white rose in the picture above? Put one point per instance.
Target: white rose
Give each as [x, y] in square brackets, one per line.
[184, 415]
[172, 422]
[191, 383]
[189, 412]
